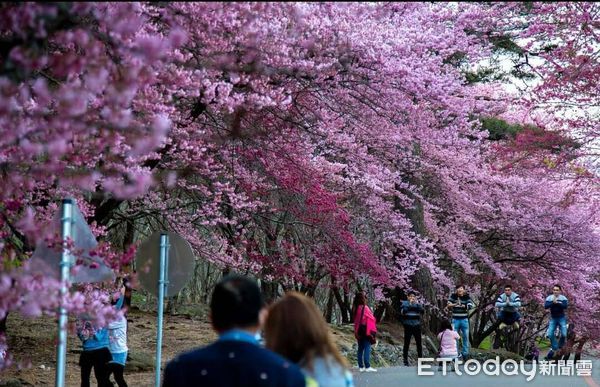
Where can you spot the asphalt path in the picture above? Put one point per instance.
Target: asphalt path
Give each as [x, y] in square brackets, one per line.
[407, 376]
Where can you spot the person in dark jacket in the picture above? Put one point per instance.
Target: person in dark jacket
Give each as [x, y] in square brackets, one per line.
[411, 312]
[557, 303]
[461, 303]
[235, 359]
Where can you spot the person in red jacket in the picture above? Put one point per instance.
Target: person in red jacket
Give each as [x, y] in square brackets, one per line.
[365, 330]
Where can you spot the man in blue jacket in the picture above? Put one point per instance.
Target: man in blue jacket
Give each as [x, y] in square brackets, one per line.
[508, 304]
[411, 312]
[235, 359]
[557, 303]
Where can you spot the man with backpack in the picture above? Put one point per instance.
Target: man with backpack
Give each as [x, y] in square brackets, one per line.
[411, 312]
[461, 303]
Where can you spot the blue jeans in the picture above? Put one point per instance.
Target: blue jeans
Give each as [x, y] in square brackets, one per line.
[364, 351]
[461, 325]
[509, 318]
[562, 323]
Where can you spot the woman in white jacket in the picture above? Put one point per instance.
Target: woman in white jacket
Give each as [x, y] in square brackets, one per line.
[117, 341]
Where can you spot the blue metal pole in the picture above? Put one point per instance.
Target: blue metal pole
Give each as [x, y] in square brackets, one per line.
[164, 253]
[167, 271]
[65, 267]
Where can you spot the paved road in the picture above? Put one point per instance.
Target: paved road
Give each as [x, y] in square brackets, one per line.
[407, 376]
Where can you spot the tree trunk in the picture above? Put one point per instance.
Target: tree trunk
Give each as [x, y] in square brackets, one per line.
[343, 304]
[270, 291]
[579, 349]
[3, 325]
[478, 339]
[171, 304]
[329, 308]
[423, 281]
[380, 310]
[480, 332]
[395, 296]
[348, 303]
[309, 290]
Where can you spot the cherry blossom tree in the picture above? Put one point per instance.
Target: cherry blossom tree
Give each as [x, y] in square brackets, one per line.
[313, 144]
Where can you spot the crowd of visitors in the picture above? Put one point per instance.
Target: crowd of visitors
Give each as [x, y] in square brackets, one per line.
[286, 342]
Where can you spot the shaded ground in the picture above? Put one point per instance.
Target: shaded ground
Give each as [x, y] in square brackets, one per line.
[32, 343]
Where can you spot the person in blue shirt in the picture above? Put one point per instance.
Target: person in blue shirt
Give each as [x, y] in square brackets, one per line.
[508, 304]
[557, 303]
[236, 358]
[95, 354]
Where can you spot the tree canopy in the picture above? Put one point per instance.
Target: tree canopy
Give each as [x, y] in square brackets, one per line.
[309, 143]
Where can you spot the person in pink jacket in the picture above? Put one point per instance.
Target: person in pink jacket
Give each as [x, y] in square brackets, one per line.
[363, 318]
[448, 341]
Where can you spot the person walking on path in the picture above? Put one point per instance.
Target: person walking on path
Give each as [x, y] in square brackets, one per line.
[365, 329]
[557, 303]
[411, 312]
[236, 358]
[461, 303]
[296, 329]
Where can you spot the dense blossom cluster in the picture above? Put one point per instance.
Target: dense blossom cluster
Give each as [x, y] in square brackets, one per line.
[313, 143]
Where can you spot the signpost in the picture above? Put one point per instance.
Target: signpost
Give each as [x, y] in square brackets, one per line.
[65, 268]
[162, 278]
[58, 263]
[153, 258]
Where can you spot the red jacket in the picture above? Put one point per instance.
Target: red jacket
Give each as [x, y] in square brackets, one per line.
[367, 318]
